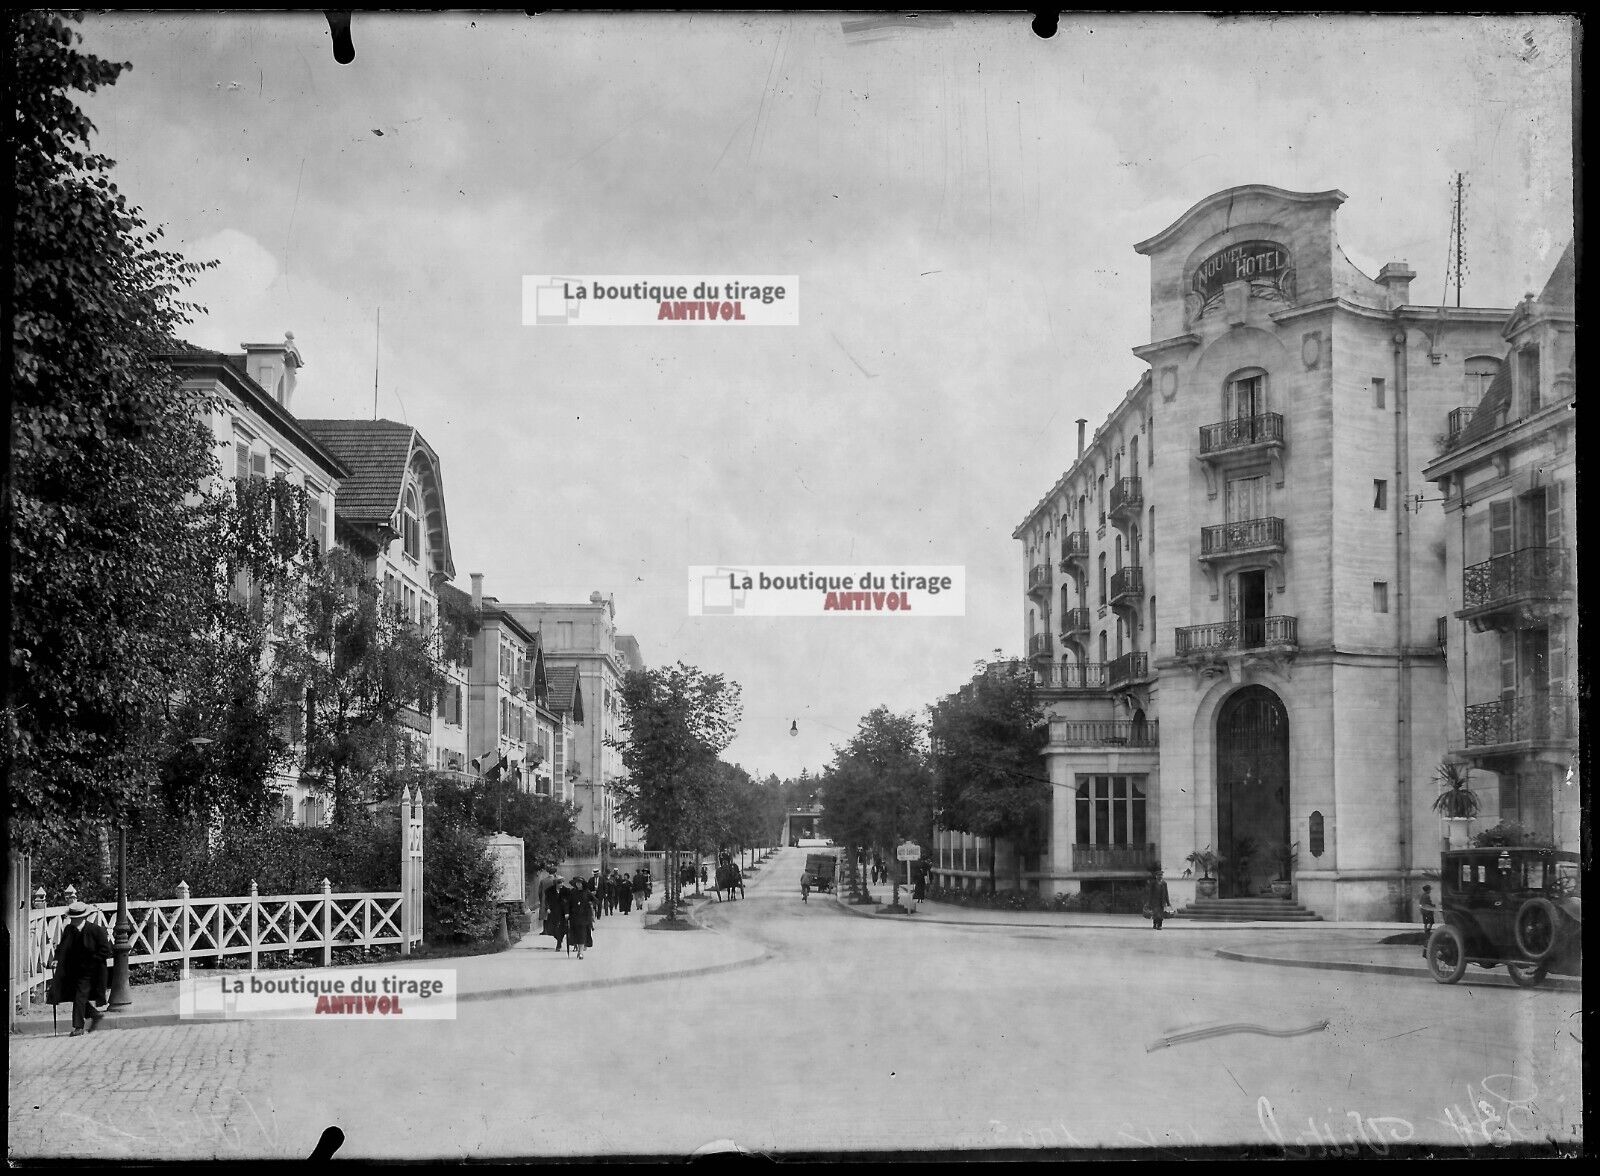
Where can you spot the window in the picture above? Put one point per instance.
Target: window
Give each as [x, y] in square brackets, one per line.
[1101, 491]
[1150, 440]
[558, 760]
[1380, 596]
[410, 603]
[505, 717]
[1479, 374]
[1150, 530]
[1111, 810]
[1246, 397]
[1528, 379]
[1119, 636]
[1103, 658]
[391, 593]
[455, 707]
[1379, 391]
[1380, 494]
[1119, 553]
[1133, 458]
[442, 704]
[411, 525]
[1153, 629]
[1102, 577]
[241, 462]
[316, 522]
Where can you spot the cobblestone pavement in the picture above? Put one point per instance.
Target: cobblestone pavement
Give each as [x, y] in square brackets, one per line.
[183, 1091]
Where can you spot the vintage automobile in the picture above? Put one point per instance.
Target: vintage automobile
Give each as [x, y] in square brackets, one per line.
[1518, 906]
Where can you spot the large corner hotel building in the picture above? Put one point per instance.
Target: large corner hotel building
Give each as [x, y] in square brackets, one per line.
[1323, 546]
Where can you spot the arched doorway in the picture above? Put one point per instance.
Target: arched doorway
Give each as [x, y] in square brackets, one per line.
[1252, 789]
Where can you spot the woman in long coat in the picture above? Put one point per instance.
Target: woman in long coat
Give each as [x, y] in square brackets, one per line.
[555, 911]
[625, 893]
[580, 918]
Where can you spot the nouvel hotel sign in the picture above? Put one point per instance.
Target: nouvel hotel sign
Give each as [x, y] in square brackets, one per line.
[1248, 261]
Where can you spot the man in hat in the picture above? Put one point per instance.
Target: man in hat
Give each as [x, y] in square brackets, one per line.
[81, 959]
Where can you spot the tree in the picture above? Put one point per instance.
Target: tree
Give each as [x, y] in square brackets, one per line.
[879, 789]
[357, 668]
[678, 719]
[130, 676]
[986, 740]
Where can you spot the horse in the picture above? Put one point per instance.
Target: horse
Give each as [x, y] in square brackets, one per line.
[729, 879]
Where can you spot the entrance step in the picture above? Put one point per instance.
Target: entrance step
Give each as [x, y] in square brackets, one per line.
[1249, 910]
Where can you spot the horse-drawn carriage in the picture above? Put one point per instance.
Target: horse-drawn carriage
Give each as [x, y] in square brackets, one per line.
[729, 878]
[1516, 906]
[822, 867]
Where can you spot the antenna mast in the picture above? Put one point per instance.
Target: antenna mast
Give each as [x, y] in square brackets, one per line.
[1456, 267]
[377, 336]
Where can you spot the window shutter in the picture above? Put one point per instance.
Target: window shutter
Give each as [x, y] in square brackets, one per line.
[1508, 664]
[1233, 597]
[1552, 514]
[241, 462]
[1500, 528]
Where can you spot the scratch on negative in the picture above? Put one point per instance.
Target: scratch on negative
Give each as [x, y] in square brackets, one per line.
[1236, 1027]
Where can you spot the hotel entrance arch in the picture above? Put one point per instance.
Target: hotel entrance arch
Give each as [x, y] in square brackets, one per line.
[1252, 789]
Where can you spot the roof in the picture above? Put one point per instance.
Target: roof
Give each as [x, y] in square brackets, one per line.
[566, 695]
[378, 454]
[1486, 419]
[1228, 197]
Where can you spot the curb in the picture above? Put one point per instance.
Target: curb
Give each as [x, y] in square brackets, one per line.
[161, 1020]
[1489, 979]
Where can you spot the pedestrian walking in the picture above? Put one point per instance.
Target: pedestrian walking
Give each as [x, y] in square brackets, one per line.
[80, 968]
[920, 891]
[625, 894]
[702, 874]
[581, 914]
[1156, 900]
[555, 911]
[805, 887]
[608, 893]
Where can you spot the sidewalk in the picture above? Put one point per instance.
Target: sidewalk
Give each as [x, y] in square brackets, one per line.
[1345, 947]
[624, 952]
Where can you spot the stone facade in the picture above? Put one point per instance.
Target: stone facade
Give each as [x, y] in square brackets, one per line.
[1233, 591]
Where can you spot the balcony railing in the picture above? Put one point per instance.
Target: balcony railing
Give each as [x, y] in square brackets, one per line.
[1130, 667]
[1102, 733]
[1538, 572]
[1241, 433]
[1039, 578]
[1074, 545]
[1521, 718]
[1127, 584]
[1075, 620]
[1241, 536]
[1457, 422]
[1039, 645]
[1090, 858]
[1127, 496]
[1074, 676]
[1256, 633]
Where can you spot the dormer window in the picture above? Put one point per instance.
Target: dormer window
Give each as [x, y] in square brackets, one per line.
[1479, 374]
[1528, 379]
[411, 525]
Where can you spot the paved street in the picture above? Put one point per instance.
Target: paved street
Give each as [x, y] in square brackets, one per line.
[840, 1033]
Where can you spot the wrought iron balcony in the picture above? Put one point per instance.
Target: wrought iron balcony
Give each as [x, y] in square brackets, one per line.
[1102, 733]
[1089, 859]
[1073, 676]
[1130, 668]
[1457, 421]
[1250, 536]
[1229, 636]
[1127, 586]
[1039, 645]
[1039, 578]
[1127, 498]
[1241, 433]
[1074, 547]
[1075, 621]
[1524, 718]
[1534, 573]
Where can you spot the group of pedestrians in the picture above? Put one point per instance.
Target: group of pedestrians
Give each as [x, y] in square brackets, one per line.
[568, 908]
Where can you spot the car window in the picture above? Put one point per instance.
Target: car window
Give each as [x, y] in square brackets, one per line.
[1567, 880]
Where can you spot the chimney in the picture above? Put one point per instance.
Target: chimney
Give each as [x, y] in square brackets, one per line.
[477, 590]
[274, 366]
[1082, 421]
[1396, 278]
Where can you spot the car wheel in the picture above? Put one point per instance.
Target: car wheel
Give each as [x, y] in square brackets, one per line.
[1528, 975]
[1536, 929]
[1447, 954]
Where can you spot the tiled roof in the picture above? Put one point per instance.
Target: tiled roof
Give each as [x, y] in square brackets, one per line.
[377, 453]
[1486, 419]
[566, 697]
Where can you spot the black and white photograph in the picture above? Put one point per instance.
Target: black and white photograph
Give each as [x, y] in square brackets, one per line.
[800, 586]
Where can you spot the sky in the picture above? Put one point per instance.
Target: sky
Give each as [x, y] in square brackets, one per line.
[958, 198]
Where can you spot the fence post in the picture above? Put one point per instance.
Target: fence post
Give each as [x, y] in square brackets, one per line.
[327, 923]
[255, 926]
[405, 871]
[220, 925]
[183, 928]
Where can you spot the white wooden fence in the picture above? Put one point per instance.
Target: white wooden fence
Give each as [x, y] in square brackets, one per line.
[185, 929]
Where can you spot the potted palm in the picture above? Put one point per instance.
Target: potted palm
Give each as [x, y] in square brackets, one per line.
[1286, 856]
[1205, 861]
[1456, 803]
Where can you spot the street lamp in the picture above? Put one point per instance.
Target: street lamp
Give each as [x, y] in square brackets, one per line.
[122, 933]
